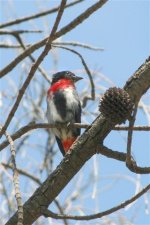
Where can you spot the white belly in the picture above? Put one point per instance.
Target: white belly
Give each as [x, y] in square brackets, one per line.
[54, 117]
[52, 114]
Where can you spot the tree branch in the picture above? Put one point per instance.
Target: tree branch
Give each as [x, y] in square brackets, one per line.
[122, 157]
[23, 172]
[48, 213]
[78, 20]
[129, 161]
[17, 32]
[15, 180]
[35, 179]
[34, 68]
[37, 15]
[32, 126]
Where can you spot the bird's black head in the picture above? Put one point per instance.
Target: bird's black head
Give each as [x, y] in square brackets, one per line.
[65, 75]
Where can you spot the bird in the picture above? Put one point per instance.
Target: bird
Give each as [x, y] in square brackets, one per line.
[64, 108]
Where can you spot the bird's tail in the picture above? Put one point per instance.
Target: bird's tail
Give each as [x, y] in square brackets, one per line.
[68, 142]
[65, 145]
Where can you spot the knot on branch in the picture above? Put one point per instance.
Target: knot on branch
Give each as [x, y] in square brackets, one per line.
[116, 105]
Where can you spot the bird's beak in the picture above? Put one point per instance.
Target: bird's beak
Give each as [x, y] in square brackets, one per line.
[77, 78]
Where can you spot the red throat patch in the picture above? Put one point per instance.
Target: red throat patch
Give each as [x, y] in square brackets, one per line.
[61, 84]
[67, 143]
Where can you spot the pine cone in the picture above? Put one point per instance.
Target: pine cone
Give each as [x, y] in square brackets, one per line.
[116, 105]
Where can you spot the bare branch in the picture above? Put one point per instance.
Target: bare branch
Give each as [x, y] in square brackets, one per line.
[37, 15]
[15, 180]
[16, 32]
[141, 76]
[24, 173]
[58, 18]
[34, 68]
[19, 39]
[135, 128]
[78, 44]
[122, 157]
[31, 126]
[48, 213]
[61, 211]
[5, 45]
[58, 34]
[129, 140]
[35, 179]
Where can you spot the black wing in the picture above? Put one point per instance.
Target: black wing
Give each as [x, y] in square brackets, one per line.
[60, 103]
[78, 119]
[60, 145]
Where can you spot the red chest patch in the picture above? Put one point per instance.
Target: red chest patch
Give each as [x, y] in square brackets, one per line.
[61, 84]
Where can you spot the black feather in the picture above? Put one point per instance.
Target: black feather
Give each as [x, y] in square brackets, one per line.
[60, 145]
[60, 103]
[61, 75]
[78, 119]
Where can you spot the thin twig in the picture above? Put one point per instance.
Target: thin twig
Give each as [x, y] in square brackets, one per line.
[5, 45]
[4, 191]
[100, 149]
[14, 32]
[58, 18]
[122, 157]
[32, 126]
[71, 43]
[78, 20]
[35, 179]
[129, 139]
[34, 68]
[15, 180]
[79, 44]
[23, 172]
[135, 128]
[61, 211]
[92, 97]
[37, 15]
[48, 213]
[42, 71]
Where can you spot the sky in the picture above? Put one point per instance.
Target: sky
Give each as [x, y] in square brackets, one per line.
[122, 29]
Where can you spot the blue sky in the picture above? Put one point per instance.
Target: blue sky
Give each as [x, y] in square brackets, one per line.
[122, 28]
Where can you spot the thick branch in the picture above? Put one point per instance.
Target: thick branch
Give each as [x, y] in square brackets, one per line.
[139, 83]
[81, 151]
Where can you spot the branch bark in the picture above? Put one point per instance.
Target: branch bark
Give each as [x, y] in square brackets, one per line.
[81, 151]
